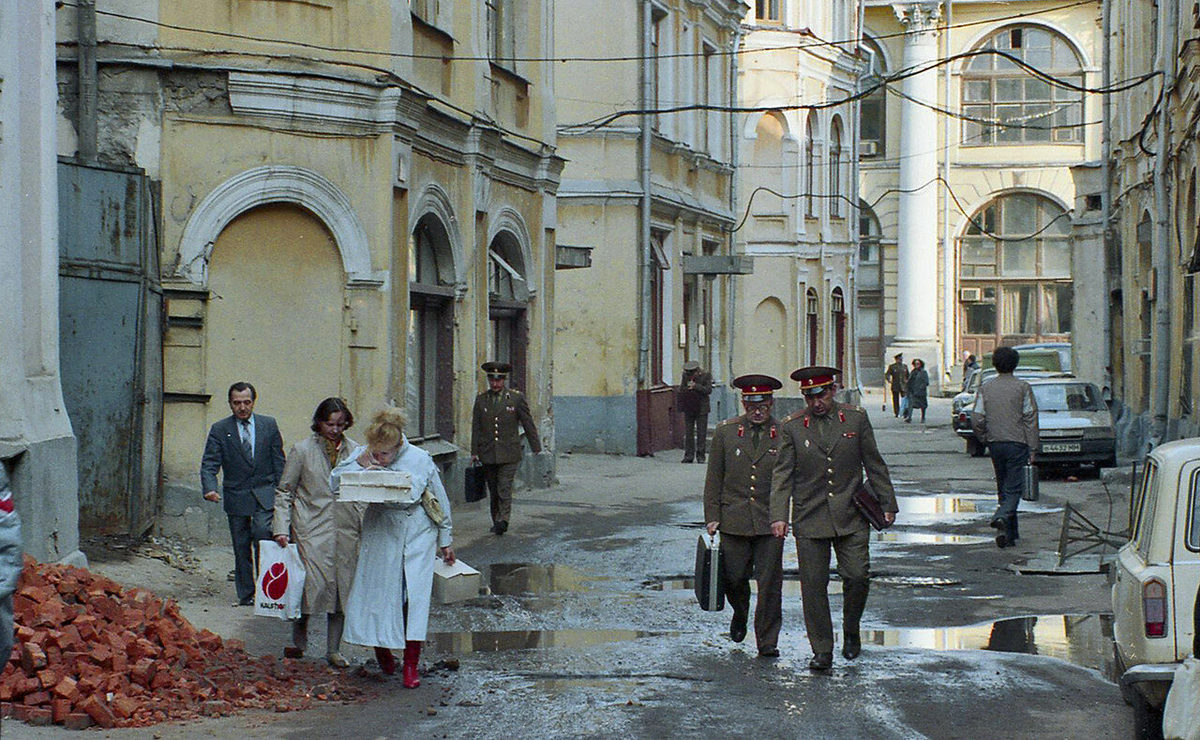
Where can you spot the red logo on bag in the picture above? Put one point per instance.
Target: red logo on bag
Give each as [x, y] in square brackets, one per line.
[275, 581]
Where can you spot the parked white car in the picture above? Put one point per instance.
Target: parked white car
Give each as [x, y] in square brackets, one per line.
[1155, 579]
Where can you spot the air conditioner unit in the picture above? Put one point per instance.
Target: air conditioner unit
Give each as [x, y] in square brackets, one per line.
[868, 148]
[970, 295]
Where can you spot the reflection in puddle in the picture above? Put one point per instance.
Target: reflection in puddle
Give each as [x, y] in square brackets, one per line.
[518, 579]
[915, 581]
[1084, 640]
[490, 642]
[791, 586]
[948, 508]
[928, 538]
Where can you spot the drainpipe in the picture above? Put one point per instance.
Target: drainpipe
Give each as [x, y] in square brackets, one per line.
[949, 278]
[85, 20]
[1106, 235]
[1162, 262]
[646, 261]
[856, 210]
[734, 139]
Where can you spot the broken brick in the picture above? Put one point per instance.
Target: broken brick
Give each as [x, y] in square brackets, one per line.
[33, 658]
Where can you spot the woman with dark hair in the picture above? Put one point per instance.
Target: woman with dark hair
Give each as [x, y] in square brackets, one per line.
[389, 602]
[325, 530]
[918, 391]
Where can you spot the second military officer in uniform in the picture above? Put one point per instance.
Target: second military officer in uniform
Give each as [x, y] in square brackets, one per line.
[498, 416]
[823, 452]
[737, 501]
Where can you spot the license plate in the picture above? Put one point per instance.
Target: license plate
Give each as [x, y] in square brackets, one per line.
[1061, 447]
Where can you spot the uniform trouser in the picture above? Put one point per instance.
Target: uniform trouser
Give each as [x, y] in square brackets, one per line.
[853, 565]
[1008, 461]
[895, 402]
[245, 533]
[500, 477]
[695, 431]
[760, 557]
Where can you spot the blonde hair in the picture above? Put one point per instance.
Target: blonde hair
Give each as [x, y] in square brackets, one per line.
[387, 429]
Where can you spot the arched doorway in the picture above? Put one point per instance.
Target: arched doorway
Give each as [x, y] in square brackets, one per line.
[275, 315]
[837, 319]
[770, 350]
[508, 299]
[429, 367]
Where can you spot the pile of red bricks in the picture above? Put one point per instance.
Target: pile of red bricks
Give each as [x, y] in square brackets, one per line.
[90, 652]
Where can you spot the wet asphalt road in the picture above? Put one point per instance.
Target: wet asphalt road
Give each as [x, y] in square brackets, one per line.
[590, 628]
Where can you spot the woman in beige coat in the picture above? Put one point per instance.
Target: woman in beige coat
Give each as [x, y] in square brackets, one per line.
[325, 530]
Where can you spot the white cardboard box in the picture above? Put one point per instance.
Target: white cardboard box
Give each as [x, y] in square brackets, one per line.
[376, 487]
[457, 582]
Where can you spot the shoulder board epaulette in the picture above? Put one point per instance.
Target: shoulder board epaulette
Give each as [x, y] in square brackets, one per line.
[729, 421]
[793, 416]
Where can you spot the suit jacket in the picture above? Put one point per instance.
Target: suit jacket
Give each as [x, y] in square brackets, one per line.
[495, 427]
[694, 401]
[247, 484]
[737, 489]
[820, 464]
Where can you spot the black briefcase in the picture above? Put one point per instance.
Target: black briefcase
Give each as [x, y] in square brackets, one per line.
[710, 582]
[474, 485]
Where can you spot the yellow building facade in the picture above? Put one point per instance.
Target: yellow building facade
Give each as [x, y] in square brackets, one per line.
[355, 200]
[643, 98]
[979, 142]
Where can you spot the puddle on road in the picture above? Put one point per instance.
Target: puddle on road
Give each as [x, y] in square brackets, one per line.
[1084, 640]
[530, 579]
[791, 586]
[491, 642]
[948, 508]
[928, 538]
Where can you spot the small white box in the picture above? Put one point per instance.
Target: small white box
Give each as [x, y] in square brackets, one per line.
[457, 582]
[376, 487]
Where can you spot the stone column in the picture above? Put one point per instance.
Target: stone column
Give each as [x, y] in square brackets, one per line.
[917, 287]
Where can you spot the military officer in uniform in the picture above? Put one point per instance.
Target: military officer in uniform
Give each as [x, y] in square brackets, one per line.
[737, 501]
[496, 438]
[823, 452]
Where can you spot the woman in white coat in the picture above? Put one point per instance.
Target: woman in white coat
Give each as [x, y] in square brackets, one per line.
[389, 601]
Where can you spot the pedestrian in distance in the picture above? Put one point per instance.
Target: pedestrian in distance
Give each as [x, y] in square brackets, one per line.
[388, 607]
[737, 502]
[247, 450]
[695, 386]
[1006, 420]
[324, 530]
[970, 365]
[499, 415]
[896, 377]
[824, 451]
[918, 391]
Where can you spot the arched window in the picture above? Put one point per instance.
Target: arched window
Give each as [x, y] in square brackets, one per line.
[1008, 105]
[508, 297]
[837, 316]
[836, 208]
[430, 355]
[1015, 273]
[810, 166]
[812, 308]
[768, 163]
[872, 108]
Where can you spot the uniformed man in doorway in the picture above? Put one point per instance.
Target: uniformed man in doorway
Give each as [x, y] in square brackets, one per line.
[823, 452]
[498, 416]
[737, 501]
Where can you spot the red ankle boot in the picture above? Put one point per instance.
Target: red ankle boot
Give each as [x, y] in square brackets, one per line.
[412, 654]
[387, 661]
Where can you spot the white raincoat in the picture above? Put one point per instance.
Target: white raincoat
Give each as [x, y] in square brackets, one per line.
[396, 553]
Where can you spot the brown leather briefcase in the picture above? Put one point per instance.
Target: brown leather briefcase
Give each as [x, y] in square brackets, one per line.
[868, 505]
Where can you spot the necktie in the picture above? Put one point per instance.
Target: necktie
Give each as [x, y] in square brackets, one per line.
[756, 435]
[246, 446]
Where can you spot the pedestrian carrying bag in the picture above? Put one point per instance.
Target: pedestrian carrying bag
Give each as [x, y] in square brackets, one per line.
[280, 583]
[709, 583]
[1029, 482]
[474, 485]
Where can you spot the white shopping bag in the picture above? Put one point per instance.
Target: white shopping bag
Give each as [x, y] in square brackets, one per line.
[280, 583]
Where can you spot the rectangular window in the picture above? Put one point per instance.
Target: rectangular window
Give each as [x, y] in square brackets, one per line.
[1193, 527]
[1019, 314]
[502, 32]
[980, 316]
[707, 74]
[656, 63]
[1146, 503]
[768, 10]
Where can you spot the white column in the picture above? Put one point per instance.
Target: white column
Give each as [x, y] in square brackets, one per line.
[916, 292]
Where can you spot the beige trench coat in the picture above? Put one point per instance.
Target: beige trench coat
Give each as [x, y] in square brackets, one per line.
[324, 529]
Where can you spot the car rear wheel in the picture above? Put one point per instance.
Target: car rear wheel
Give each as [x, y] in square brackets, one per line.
[974, 448]
[1147, 719]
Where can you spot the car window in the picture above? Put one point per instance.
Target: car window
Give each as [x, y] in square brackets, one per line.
[1068, 397]
[1193, 526]
[1145, 503]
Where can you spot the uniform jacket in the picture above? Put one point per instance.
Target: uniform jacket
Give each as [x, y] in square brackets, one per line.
[820, 464]
[695, 400]
[897, 375]
[737, 489]
[245, 480]
[324, 529]
[495, 434]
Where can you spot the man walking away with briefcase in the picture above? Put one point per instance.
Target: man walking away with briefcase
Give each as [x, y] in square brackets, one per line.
[737, 501]
[1006, 420]
[823, 452]
[497, 419]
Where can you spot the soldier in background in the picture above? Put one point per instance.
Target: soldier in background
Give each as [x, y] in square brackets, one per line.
[737, 502]
[694, 389]
[498, 417]
[824, 451]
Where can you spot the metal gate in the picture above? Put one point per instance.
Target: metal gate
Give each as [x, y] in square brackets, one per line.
[110, 344]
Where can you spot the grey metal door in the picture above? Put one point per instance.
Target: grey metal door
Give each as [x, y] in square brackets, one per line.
[110, 344]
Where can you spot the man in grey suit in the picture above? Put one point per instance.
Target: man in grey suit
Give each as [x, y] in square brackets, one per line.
[247, 448]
